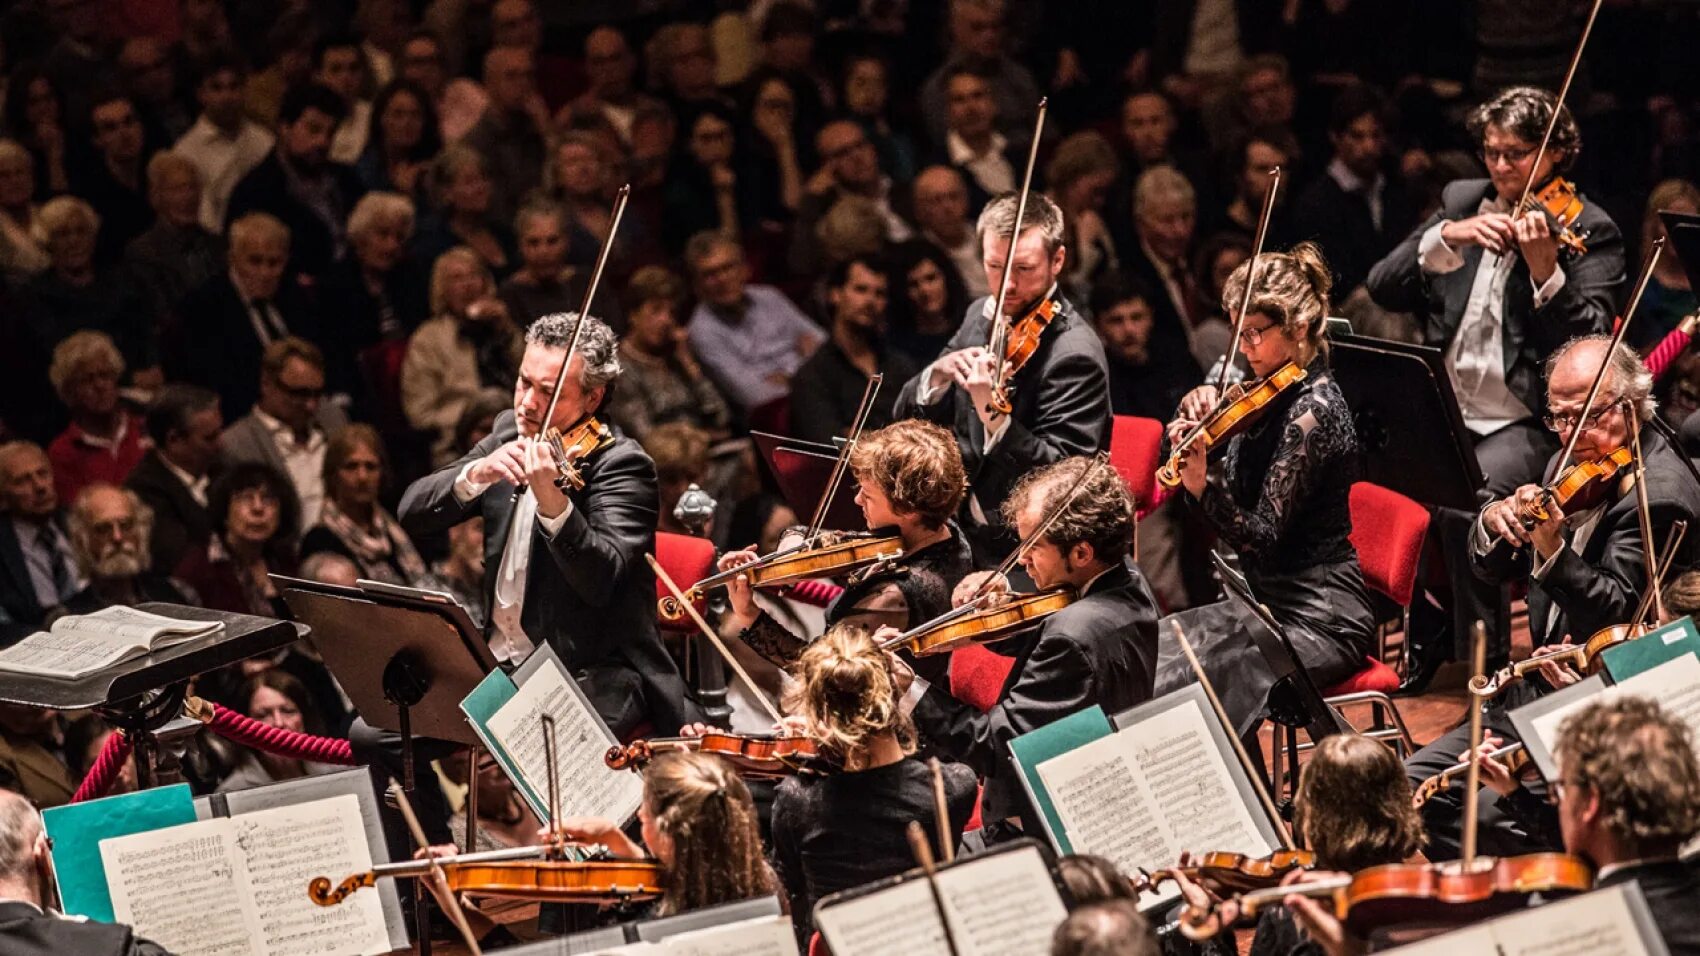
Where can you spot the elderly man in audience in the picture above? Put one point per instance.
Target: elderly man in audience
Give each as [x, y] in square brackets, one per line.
[940, 198]
[469, 345]
[109, 528]
[176, 255]
[104, 440]
[750, 337]
[38, 569]
[171, 479]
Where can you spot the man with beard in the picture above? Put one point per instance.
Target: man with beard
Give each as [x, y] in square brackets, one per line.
[109, 529]
[828, 388]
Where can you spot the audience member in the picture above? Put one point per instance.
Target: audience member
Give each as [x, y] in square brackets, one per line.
[545, 284]
[379, 294]
[38, 569]
[1123, 315]
[828, 389]
[703, 190]
[290, 426]
[184, 424]
[661, 381]
[224, 144]
[402, 140]
[255, 522]
[471, 344]
[148, 73]
[503, 818]
[681, 61]
[611, 99]
[680, 452]
[458, 101]
[176, 255]
[940, 198]
[925, 299]
[849, 169]
[23, 244]
[104, 440]
[460, 572]
[1669, 295]
[865, 95]
[461, 191]
[80, 292]
[1246, 169]
[1079, 176]
[340, 66]
[276, 699]
[1165, 214]
[749, 337]
[111, 179]
[977, 41]
[110, 528]
[512, 133]
[972, 143]
[1355, 210]
[36, 117]
[352, 520]
[30, 757]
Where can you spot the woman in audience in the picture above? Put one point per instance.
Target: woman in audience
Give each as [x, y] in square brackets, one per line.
[401, 141]
[661, 380]
[35, 117]
[849, 827]
[471, 345]
[353, 522]
[772, 165]
[80, 293]
[104, 440]
[23, 244]
[276, 699]
[378, 292]
[1669, 296]
[503, 818]
[927, 300]
[865, 92]
[460, 190]
[256, 517]
[703, 189]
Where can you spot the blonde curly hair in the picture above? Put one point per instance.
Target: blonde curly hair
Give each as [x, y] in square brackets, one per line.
[845, 690]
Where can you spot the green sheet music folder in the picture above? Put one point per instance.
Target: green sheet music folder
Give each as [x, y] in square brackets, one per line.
[1053, 740]
[1644, 653]
[77, 829]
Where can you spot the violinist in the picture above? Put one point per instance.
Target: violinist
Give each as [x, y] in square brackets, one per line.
[561, 567]
[1101, 649]
[1586, 569]
[848, 828]
[909, 478]
[1278, 495]
[1060, 399]
[1493, 289]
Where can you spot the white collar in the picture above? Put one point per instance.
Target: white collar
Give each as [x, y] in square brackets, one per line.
[1352, 182]
[189, 481]
[277, 428]
[960, 152]
[1611, 868]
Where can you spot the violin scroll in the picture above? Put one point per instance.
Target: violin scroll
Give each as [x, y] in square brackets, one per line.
[573, 446]
[319, 889]
[633, 755]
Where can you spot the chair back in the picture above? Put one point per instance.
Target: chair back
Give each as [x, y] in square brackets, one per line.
[1134, 445]
[1388, 530]
[977, 675]
[686, 560]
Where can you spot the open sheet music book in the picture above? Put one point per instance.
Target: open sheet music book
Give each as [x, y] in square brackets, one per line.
[506, 713]
[1001, 903]
[767, 936]
[1609, 922]
[78, 645]
[1675, 685]
[235, 886]
[1166, 782]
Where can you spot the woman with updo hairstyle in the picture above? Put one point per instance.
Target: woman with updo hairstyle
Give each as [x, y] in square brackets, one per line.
[848, 828]
[1278, 494]
[910, 481]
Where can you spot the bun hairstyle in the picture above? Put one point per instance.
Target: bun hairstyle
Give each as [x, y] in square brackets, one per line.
[845, 690]
[1292, 290]
[701, 804]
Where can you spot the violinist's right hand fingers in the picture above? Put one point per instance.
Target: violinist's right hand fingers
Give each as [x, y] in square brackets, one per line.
[792, 725]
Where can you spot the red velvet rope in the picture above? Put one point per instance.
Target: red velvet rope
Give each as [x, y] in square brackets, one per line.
[1667, 351]
[105, 770]
[814, 592]
[249, 732]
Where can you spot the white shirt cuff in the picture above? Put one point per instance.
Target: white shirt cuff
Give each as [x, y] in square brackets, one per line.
[1434, 256]
[927, 394]
[993, 434]
[917, 689]
[1540, 572]
[465, 488]
[1549, 288]
[552, 526]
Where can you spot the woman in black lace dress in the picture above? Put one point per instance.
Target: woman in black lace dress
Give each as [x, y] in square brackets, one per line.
[910, 481]
[1277, 494]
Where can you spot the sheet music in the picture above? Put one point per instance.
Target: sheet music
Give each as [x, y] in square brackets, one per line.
[130, 624]
[768, 936]
[1675, 684]
[286, 847]
[588, 787]
[1152, 790]
[898, 919]
[1593, 924]
[183, 888]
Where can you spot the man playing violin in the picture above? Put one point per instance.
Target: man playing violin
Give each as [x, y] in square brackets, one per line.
[1060, 398]
[1586, 568]
[1493, 288]
[1101, 649]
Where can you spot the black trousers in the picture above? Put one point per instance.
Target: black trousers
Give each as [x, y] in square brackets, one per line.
[1499, 832]
[1514, 456]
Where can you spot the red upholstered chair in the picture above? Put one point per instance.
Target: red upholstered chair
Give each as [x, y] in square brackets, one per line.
[686, 560]
[1134, 444]
[817, 946]
[977, 675]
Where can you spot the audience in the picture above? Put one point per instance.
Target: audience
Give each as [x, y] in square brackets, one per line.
[224, 144]
[38, 568]
[176, 255]
[925, 299]
[352, 521]
[104, 440]
[750, 337]
[829, 387]
[255, 523]
[276, 699]
[109, 529]
[661, 380]
[184, 425]
[941, 215]
[471, 344]
[290, 425]
[460, 189]
[30, 762]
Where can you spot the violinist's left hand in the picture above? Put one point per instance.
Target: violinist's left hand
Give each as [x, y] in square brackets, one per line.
[1548, 536]
[1318, 919]
[1195, 472]
[1559, 674]
[1537, 244]
[540, 474]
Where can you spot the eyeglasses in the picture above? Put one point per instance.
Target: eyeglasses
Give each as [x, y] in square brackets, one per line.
[1566, 421]
[1555, 792]
[1511, 156]
[1254, 336]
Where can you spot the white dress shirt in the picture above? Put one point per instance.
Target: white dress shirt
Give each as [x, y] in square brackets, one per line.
[990, 169]
[508, 640]
[223, 161]
[303, 460]
[1374, 192]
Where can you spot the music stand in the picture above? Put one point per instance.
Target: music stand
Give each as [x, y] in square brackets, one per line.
[143, 695]
[802, 469]
[1411, 434]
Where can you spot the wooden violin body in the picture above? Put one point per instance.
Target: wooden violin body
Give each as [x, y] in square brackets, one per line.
[752, 755]
[787, 567]
[984, 625]
[1233, 416]
[1579, 487]
[573, 446]
[1023, 340]
[1233, 872]
[1563, 207]
[1584, 657]
[544, 881]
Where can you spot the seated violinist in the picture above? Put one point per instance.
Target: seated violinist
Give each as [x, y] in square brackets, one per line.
[1585, 564]
[909, 481]
[848, 828]
[1101, 649]
[1353, 811]
[1278, 494]
[1629, 800]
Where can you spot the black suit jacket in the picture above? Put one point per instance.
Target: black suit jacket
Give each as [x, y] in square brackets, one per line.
[179, 521]
[1671, 888]
[1585, 304]
[218, 348]
[1602, 585]
[1060, 406]
[312, 245]
[588, 592]
[1168, 344]
[1340, 222]
[26, 931]
[17, 591]
[1102, 649]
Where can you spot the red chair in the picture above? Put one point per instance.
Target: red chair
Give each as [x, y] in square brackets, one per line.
[977, 675]
[686, 560]
[1134, 444]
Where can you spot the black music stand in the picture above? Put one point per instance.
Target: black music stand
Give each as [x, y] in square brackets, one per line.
[1684, 231]
[802, 469]
[143, 695]
[1410, 432]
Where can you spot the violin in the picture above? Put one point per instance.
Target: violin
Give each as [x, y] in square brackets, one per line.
[845, 553]
[1019, 346]
[1580, 487]
[976, 623]
[511, 875]
[1514, 756]
[1584, 657]
[753, 755]
[1232, 872]
[1558, 199]
[573, 446]
[1402, 894]
[1242, 406]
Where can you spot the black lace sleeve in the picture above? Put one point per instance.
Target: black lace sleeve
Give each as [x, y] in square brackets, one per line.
[773, 641]
[1308, 444]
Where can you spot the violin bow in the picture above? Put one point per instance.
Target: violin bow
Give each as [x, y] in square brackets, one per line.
[1239, 746]
[1557, 105]
[614, 218]
[1678, 530]
[924, 857]
[1653, 601]
[552, 773]
[1473, 777]
[999, 337]
[842, 466]
[451, 905]
[941, 811]
[713, 638]
[1229, 357]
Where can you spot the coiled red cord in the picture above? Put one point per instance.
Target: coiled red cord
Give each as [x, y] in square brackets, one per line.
[814, 592]
[106, 768]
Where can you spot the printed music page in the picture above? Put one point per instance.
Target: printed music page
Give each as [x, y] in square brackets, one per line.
[286, 847]
[588, 787]
[1151, 791]
[768, 936]
[184, 888]
[1675, 684]
[1593, 924]
[897, 919]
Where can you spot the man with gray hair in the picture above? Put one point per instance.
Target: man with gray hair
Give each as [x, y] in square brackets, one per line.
[564, 567]
[109, 528]
[1584, 562]
[1059, 399]
[26, 878]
